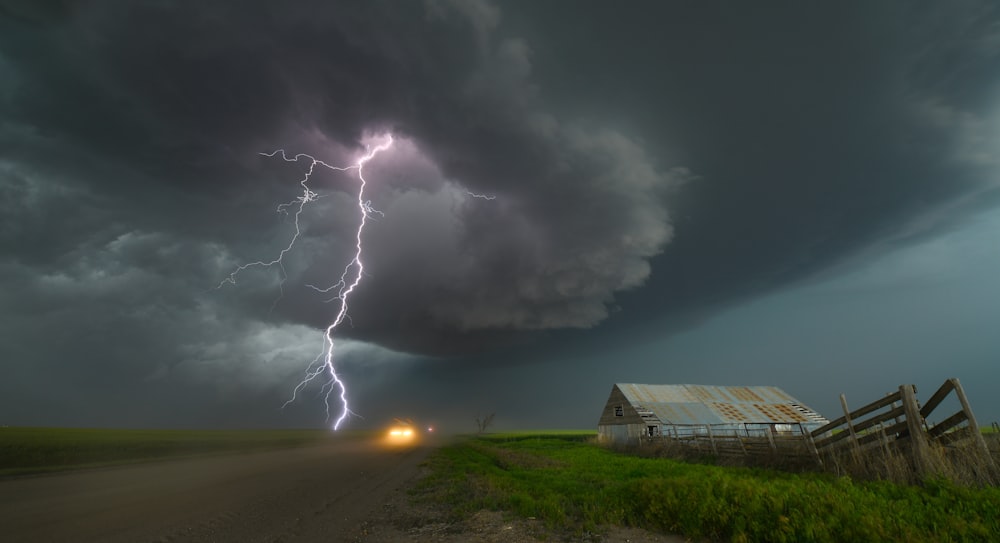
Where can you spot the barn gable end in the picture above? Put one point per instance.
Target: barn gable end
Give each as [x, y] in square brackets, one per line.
[623, 419]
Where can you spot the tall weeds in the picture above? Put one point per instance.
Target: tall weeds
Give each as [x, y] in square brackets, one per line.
[963, 463]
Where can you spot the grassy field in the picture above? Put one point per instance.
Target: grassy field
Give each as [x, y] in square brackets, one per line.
[33, 450]
[573, 484]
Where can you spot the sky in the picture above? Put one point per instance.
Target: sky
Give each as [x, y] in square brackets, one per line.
[796, 194]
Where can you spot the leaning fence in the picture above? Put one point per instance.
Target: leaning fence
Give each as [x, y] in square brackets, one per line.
[897, 424]
[894, 426]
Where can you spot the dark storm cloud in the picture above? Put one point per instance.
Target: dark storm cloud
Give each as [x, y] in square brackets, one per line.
[670, 157]
[816, 130]
[132, 185]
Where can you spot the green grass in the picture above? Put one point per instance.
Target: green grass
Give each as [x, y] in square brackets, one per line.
[569, 435]
[33, 450]
[575, 485]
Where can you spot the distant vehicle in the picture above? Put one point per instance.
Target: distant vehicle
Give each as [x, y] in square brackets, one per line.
[402, 432]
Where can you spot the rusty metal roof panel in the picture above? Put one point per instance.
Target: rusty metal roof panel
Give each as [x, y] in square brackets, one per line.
[703, 404]
[657, 393]
[685, 413]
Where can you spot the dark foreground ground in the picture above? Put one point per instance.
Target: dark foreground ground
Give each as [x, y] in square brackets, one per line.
[320, 493]
[351, 490]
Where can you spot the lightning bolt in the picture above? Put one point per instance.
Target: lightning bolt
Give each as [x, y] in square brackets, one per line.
[323, 364]
[482, 196]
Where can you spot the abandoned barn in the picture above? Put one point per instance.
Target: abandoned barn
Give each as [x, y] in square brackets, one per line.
[634, 412]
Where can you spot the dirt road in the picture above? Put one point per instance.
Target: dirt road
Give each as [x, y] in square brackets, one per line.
[322, 493]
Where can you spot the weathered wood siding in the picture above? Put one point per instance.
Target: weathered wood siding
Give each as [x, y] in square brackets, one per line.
[621, 433]
[629, 414]
[628, 427]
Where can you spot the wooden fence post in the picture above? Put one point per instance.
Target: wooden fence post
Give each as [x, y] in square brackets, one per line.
[811, 445]
[850, 424]
[918, 438]
[973, 426]
[736, 436]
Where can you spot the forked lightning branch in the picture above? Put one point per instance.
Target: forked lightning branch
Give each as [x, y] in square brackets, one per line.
[322, 367]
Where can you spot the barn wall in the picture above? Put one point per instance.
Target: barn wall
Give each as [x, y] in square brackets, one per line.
[620, 433]
[624, 429]
[629, 415]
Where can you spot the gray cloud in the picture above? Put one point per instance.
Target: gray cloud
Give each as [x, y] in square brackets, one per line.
[131, 182]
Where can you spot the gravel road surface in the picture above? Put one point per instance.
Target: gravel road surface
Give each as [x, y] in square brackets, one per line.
[320, 493]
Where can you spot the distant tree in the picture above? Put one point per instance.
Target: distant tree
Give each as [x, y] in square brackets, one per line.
[482, 423]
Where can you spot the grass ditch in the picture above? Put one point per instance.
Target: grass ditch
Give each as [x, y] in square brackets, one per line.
[573, 484]
[40, 450]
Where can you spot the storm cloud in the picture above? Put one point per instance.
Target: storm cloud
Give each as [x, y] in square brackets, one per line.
[640, 170]
[578, 211]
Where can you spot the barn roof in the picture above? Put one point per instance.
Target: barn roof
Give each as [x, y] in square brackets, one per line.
[714, 405]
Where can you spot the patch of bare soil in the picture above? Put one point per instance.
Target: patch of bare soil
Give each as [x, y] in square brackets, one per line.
[399, 520]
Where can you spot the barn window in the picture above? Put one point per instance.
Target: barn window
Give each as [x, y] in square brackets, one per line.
[652, 431]
[619, 411]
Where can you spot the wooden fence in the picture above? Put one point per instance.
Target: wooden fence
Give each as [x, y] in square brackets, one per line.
[896, 422]
[767, 445]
